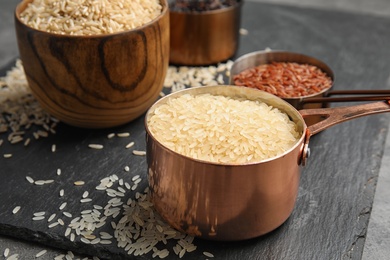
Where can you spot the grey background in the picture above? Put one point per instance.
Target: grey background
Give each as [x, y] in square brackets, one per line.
[377, 244]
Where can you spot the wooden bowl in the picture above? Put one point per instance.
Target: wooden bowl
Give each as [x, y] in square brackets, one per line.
[204, 38]
[96, 81]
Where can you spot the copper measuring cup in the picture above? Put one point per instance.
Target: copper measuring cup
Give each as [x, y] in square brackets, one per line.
[204, 38]
[236, 201]
[318, 100]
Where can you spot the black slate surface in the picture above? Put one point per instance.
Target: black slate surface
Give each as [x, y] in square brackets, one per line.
[337, 186]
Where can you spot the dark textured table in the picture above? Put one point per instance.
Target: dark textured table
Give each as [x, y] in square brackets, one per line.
[337, 186]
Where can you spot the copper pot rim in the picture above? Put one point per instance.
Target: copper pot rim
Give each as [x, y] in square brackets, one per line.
[259, 93]
[23, 4]
[209, 12]
[267, 54]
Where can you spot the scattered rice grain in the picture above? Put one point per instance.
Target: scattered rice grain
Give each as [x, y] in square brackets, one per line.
[40, 253]
[6, 252]
[208, 254]
[127, 134]
[129, 145]
[79, 183]
[96, 146]
[13, 257]
[16, 209]
[63, 205]
[67, 214]
[38, 218]
[137, 152]
[52, 216]
[85, 194]
[41, 213]
[29, 179]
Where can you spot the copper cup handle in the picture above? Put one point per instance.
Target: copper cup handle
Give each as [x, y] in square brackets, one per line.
[336, 115]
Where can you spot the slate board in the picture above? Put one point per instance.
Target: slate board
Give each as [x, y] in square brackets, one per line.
[337, 186]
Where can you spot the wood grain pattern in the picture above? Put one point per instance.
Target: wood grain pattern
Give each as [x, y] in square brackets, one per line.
[96, 81]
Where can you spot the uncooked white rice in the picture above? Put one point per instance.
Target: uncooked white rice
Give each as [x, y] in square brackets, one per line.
[16, 209]
[67, 214]
[6, 252]
[13, 257]
[221, 129]
[85, 194]
[125, 134]
[95, 146]
[129, 145]
[41, 253]
[243, 31]
[140, 153]
[179, 78]
[41, 213]
[7, 155]
[21, 116]
[39, 182]
[52, 216]
[63, 205]
[154, 229]
[79, 17]
[208, 254]
[79, 183]
[29, 179]
[54, 224]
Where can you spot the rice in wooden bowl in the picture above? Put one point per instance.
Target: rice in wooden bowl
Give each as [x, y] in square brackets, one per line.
[94, 64]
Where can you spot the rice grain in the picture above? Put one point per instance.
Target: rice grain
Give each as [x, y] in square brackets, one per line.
[221, 129]
[79, 17]
[79, 183]
[208, 254]
[16, 209]
[140, 153]
[6, 252]
[96, 146]
[40, 253]
[29, 179]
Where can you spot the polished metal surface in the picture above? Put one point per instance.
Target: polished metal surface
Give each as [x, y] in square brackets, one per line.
[201, 198]
[202, 38]
[224, 201]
